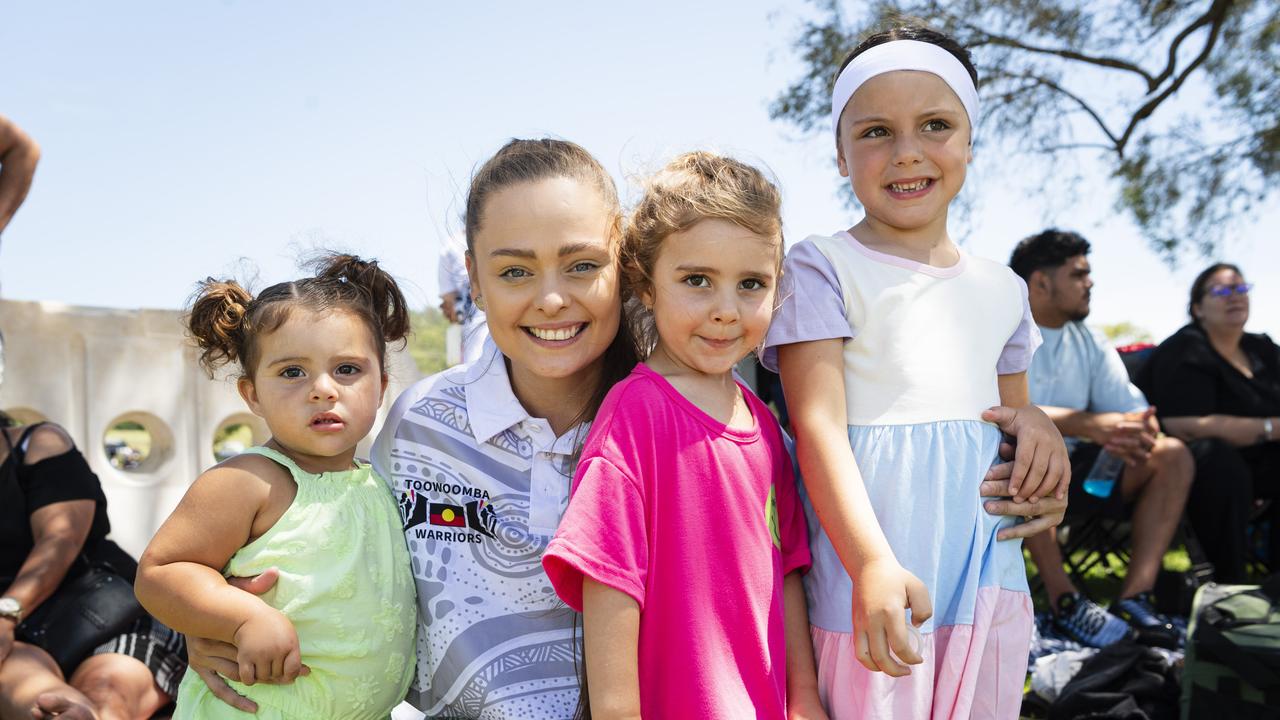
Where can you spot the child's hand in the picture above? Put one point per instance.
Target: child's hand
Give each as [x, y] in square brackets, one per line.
[881, 591]
[267, 648]
[1040, 465]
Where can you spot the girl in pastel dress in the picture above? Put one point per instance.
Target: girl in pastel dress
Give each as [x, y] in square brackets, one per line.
[893, 345]
[684, 541]
[312, 358]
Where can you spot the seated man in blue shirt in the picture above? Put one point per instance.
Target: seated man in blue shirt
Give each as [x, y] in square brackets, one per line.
[1079, 380]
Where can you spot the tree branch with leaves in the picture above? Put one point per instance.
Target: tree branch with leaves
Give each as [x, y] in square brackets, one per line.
[1178, 100]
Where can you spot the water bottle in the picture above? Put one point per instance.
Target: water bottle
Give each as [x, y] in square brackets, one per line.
[1101, 479]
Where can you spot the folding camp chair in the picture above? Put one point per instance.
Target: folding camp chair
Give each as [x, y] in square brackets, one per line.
[1089, 542]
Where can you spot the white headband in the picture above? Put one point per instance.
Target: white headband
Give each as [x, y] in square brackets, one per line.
[904, 55]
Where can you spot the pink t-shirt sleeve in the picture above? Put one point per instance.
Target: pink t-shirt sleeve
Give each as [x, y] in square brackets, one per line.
[793, 529]
[603, 535]
[1018, 351]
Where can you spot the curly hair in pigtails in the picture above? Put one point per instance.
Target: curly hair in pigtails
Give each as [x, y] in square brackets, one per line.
[384, 306]
[216, 322]
[225, 319]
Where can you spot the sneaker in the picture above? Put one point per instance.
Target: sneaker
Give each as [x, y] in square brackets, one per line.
[1152, 627]
[1088, 623]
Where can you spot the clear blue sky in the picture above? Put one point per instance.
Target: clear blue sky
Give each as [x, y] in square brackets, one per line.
[188, 139]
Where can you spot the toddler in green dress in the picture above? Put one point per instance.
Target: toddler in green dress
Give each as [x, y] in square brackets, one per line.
[339, 624]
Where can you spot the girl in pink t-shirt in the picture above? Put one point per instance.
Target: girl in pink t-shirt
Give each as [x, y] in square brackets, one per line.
[684, 540]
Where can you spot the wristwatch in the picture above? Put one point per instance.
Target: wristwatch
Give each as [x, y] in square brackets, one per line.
[11, 608]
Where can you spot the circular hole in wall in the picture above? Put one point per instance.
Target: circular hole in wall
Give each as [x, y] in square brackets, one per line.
[137, 442]
[236, 434]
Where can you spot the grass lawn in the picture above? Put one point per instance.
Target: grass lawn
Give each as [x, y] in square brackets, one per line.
[1102, 581]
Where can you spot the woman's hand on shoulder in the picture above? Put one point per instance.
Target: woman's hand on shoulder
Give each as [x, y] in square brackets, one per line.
[1041, 467]
[882, 590]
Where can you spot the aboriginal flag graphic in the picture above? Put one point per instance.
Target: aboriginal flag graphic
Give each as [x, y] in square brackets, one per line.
[448, 515]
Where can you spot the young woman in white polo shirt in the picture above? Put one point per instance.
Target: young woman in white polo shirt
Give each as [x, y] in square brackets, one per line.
[481, 456]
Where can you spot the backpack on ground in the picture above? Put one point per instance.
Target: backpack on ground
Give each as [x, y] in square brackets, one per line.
[1233, 653]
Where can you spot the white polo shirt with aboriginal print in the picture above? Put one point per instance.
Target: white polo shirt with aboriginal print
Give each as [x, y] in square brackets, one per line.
[481, 487]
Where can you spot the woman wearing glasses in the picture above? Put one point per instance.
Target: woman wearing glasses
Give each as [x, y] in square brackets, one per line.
[1218, 387]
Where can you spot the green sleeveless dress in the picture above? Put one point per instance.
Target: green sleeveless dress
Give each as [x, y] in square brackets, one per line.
[347, 586]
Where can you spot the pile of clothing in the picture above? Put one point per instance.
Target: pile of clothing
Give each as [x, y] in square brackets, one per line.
[1124, 679]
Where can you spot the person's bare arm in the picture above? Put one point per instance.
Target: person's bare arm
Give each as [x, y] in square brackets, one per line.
[179, 581]
[18, 157]
[1094, 427]
[1239, 431]
[214, 662]
[813, 379]
[178, 578]
[58, 530]
[803, 702]
[1041, 466]
[611, 649]
[1129, 435]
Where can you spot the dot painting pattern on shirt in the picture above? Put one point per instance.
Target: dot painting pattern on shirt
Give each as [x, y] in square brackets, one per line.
[494, 640]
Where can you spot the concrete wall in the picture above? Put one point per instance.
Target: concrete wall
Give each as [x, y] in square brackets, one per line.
[90, 368]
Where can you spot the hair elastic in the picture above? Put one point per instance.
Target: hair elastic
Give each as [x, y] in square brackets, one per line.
[903, 55]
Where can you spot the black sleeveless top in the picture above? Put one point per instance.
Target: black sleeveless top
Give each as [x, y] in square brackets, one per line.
[25, 489]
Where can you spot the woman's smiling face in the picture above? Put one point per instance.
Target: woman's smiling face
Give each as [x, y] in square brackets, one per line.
[543, 262]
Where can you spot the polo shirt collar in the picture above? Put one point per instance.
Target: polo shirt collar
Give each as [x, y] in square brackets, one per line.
[492, 406]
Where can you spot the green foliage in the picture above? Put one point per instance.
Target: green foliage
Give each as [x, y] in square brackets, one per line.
[1125, 333]
[426, 344]
[1065, 81]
